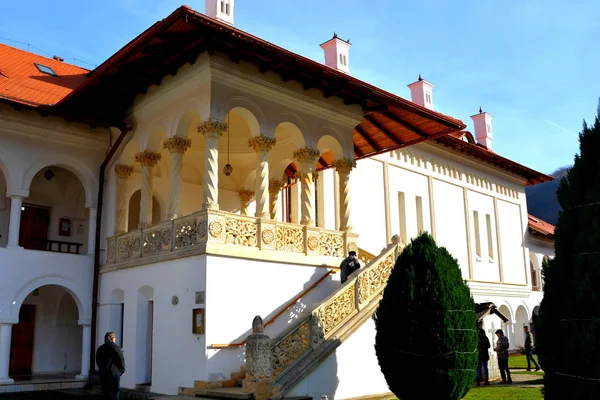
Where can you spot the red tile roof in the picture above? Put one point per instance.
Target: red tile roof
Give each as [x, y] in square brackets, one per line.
[22, 82]
[537, 226]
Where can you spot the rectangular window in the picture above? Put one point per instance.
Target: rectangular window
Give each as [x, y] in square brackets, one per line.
[122, 324]
[402, 216]
[419, 201]
[488, 222]
[477, 237]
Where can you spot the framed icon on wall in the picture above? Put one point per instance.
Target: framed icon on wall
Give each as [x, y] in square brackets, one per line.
[198, 321]
[64, 227]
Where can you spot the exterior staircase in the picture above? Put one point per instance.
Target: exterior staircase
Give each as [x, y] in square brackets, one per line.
[303, 346]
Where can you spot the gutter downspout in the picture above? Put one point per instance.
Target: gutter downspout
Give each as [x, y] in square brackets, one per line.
[111, 152]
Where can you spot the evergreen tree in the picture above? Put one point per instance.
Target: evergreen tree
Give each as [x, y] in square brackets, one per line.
[426, 337]
[568, 325]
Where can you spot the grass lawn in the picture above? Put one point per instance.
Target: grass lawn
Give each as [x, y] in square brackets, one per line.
[538, 373]
[499, 393]
[520, 361]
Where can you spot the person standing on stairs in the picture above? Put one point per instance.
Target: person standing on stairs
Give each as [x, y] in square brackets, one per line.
[111, 366]
[349, 265]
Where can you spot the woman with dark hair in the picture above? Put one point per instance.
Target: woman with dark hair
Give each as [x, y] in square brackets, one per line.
[111, 365]
[483, 344]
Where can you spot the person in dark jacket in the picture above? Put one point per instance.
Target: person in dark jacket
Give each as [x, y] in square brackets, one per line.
[111, 366]
[501, 348]
[483, 344]
[349, 265]
[529, 349]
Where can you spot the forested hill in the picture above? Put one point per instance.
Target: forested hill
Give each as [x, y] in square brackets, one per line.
[541, 199]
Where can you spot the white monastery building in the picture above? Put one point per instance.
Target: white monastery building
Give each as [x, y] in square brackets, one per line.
[202, 176]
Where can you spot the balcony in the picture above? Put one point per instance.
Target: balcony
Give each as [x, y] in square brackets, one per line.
[221, 233]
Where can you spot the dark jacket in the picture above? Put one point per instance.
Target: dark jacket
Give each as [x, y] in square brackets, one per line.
[528, 341]
[109, 358]
[483, 344]
[348, 266]
[502, 346]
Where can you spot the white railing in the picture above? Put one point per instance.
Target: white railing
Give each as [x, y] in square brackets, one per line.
[206, 227]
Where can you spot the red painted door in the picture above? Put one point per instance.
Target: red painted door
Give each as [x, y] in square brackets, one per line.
[34, 227]
[21, 345]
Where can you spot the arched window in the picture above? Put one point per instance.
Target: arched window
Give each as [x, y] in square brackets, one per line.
[227, 8]
[534, 278]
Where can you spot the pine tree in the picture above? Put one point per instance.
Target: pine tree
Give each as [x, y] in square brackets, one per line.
[568, 325]
[426, 327]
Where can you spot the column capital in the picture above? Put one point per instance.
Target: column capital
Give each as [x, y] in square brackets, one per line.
[262, 143]
[148, 158]
[212, 127]
[84, 322]
[275, 185]
[123, 171]
[177, 144]
[344, 165]
[306, 155]
[246, 195]
[20, 193]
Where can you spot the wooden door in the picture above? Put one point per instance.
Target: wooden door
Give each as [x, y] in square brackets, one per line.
[21, 346]
[34, 227]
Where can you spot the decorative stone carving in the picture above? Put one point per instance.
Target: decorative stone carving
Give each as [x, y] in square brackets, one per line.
[275, 186]
[177, 144]
[246, 195]
[241, 233]
[313, 243]
[329, 244]
[187, 232]
[215, 229]
[212, 127]
[262, 143]
[372, 281]
[157, 240]
[268, 236]
[344, 165]
[306, 155]
[259, 371]
[257, 325]
[292, 346]
[147, 158]
[123, 171]
[289, 239]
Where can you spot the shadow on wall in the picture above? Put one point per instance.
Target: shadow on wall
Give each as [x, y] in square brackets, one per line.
[284, 318]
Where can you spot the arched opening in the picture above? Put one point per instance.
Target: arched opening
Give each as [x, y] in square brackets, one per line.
[4, 209]
[54, 216]
[534, 315]
[144, 336]
[133, 218]
[117, 314]
[522, 320]
[506, 326]
[47, 339]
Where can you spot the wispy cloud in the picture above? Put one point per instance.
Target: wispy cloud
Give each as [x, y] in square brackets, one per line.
[562, 129]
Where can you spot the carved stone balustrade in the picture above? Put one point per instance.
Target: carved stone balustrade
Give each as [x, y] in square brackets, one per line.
[218, 232]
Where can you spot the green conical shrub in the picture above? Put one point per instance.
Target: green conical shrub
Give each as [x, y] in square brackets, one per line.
[568, 325]
[426, 326]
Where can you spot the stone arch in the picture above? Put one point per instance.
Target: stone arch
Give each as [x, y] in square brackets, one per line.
[327, 144]
[74, 290]
[294, 119]
[86, 177]
[521, 319]
[250, 181]
[345, 141]
[158, 208]
[186, 123]
[506, 310]
[249, 118]
[289, 135]
[13, 175]
[244, 103]
[155, 138]
[276, 170]
[127, 156]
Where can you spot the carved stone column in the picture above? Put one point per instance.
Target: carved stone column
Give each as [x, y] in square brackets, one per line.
[148, 160]
[176, 146]
[262, 144]
[123, 173]
[275, 187]
[343, 167]
[212, 131]
[259, 375]
[14, 223]
[307, 157]
[245, 197]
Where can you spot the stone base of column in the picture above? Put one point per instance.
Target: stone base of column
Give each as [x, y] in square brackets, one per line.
[6, 381]
[80, 376]
[261, 388]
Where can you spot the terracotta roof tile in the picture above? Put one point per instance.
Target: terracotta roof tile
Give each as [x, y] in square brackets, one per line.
[22, 82]
[539, 226]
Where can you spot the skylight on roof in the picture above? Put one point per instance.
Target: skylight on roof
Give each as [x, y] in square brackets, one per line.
[44, 69]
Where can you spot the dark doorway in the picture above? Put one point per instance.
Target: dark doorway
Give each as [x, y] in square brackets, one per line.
[21, 346]
[34, 227]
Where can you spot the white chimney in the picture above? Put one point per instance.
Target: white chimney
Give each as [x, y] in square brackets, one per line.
[337, 53]
[421, 93]
[483, 128]
[221, 10]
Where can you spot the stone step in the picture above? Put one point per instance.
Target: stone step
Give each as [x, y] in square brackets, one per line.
[224, 393]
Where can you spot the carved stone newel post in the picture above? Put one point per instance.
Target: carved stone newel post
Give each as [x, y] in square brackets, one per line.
[261, 145]
[176, 146]
[212, 131]
[148, 160]
[245, 198]
[259, 374]
[307, 158]
[343, 167]
[123, 173]
[275, 187]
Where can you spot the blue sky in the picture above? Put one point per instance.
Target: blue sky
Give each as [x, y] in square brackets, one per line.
[531, 64]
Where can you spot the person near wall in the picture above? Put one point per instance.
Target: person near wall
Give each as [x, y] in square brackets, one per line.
[501, 348]
[529, 343]
[483, 344]
[349, 265]
[111, 366]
